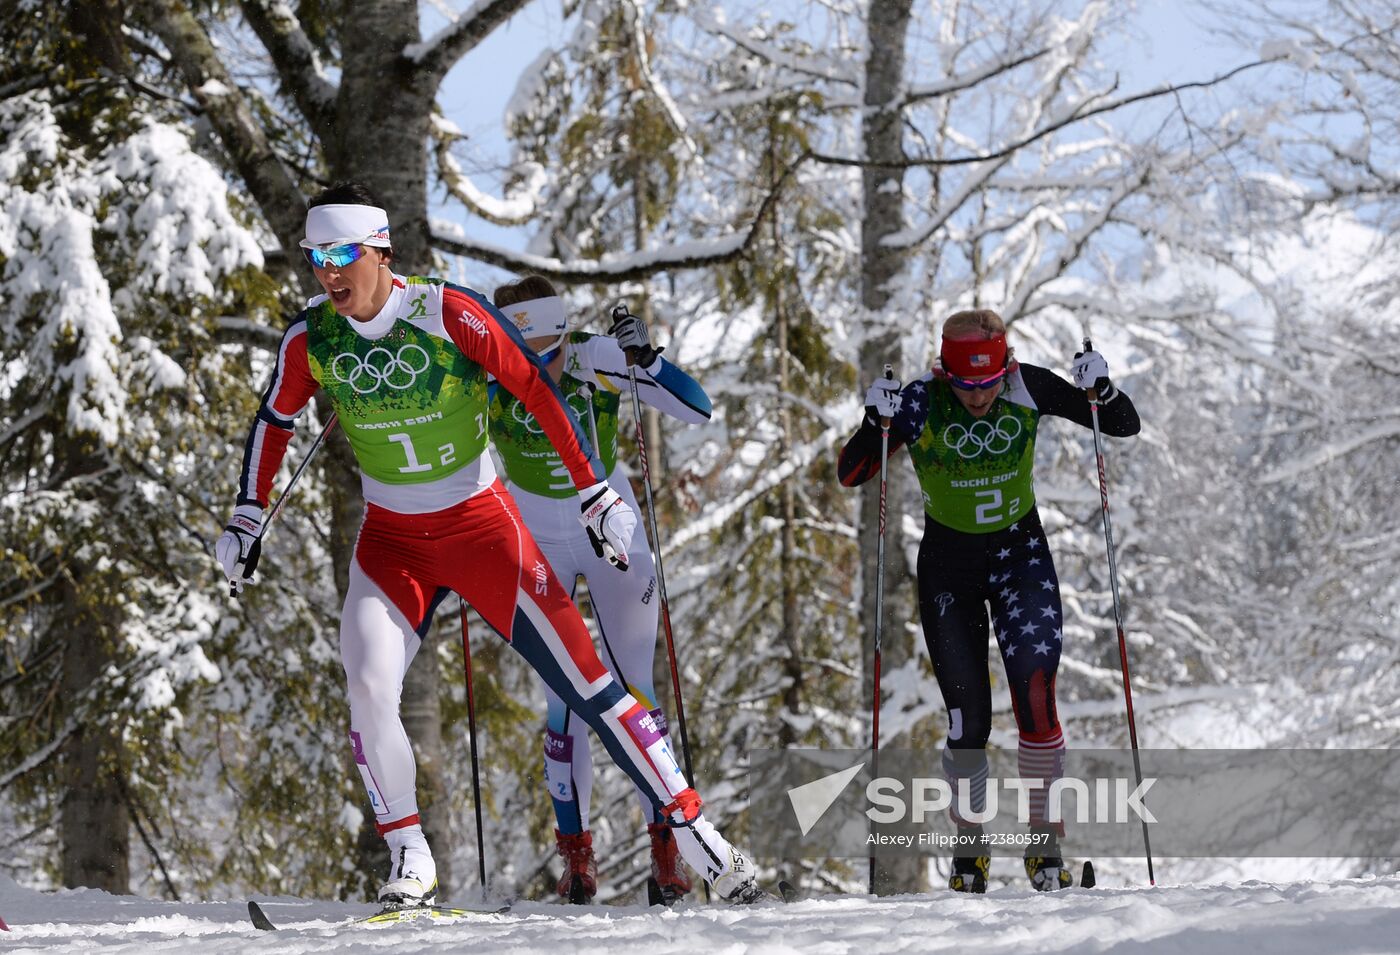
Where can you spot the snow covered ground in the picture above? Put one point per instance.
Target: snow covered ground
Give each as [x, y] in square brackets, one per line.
[1350, 916]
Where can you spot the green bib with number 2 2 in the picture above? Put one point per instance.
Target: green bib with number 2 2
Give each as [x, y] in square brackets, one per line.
[975, 473]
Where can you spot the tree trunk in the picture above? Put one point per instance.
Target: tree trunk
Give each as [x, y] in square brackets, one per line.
[883, 215]
[380, 137]
[94, 828]
[790, 629]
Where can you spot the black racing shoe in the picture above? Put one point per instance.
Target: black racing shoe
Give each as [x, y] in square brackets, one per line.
[1044, 865]
[970, 874]
[971, 864]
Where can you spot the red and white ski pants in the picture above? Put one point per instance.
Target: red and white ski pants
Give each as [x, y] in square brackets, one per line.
[404, 565]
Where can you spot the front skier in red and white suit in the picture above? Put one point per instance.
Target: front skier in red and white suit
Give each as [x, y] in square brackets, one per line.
[405, 361]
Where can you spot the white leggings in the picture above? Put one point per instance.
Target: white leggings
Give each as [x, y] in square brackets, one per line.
[377, 644]
[625, 605]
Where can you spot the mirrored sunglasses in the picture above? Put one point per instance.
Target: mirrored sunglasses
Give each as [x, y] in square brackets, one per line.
[337, 257]
[977, 384]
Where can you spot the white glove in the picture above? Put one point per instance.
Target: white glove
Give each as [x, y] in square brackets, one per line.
[633, 338]
[884, 397]
[240, 546]
[1091, 371]
[609, 522]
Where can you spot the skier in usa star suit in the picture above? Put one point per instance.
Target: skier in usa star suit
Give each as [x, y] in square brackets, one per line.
[405, 361]
[970, 427]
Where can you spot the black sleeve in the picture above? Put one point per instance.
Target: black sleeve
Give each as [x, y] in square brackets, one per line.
[860, 458]
[1054, 395]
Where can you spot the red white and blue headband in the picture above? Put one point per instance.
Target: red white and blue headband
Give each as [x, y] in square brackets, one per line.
[333, 225]
[975, 358]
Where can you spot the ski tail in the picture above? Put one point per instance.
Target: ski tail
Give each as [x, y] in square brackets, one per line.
[259, 917]
[1086, 877]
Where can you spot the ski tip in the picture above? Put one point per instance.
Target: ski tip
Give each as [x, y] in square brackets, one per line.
[260, 919]
[787, 891]
[1086, 878]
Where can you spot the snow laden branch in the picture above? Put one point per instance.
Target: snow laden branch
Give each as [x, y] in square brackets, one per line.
[622, 268]
[198, 61]
[1077, 241]
[799, 460]
[440, 52]
[517, 208]
[1330, 452]
[830, 69]
[298, 66]
[668, 105]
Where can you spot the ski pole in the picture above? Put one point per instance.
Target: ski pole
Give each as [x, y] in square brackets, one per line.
[1117, 609]
[585, 391]
[471, 732]
[879, 607]
[246, 567]
[619, 313]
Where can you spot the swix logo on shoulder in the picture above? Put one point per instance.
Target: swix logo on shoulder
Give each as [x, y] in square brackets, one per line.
[541, 579]
[474, 322]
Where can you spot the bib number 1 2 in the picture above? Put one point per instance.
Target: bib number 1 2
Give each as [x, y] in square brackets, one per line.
[448, 454]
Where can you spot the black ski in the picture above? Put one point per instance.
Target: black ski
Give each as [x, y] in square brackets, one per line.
[387, 914]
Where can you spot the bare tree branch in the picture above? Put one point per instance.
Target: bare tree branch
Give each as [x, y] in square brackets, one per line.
[1074, 116]
[437, 55]
[295, 58]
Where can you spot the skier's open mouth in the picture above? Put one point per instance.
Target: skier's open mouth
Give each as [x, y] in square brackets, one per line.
[340, 296]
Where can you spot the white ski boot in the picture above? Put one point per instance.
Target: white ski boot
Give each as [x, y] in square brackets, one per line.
[412, 872]
[728, 871]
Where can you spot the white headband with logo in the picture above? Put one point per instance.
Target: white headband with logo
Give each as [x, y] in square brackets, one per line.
[346, 224]
[539, 317]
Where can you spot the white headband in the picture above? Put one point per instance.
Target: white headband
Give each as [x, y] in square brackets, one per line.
[538, 317]
[344, 224]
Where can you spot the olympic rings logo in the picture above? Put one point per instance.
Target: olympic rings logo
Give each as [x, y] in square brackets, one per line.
[982, 436]
[575, 402]
[380, 366]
